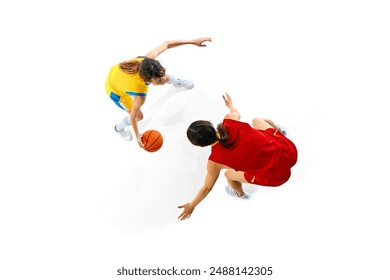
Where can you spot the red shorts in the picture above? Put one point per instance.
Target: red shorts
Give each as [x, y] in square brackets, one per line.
[280, 173]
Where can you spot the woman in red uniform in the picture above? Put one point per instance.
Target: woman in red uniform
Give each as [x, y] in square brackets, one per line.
[259, 155]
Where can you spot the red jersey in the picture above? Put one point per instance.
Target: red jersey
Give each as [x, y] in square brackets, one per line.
[254, 151]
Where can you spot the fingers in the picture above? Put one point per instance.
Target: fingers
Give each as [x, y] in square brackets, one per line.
[184, 216]
[139, 140]
[226, 97]
[203, 40]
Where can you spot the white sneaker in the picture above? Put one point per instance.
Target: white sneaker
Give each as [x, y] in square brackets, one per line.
[125, 133]
[232, 192]
[184, 83]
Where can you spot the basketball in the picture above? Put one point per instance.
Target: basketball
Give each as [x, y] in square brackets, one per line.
[152, 140]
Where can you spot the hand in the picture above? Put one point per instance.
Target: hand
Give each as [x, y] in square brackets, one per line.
[187, 211]
[200, 41]
[139, 140]
[228, 100]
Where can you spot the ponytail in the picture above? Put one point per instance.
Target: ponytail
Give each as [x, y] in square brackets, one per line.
[130, 66]
[224, 136]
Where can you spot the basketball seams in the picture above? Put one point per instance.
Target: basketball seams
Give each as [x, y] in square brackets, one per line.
[147, 139]
[148, 136]
[151, 145]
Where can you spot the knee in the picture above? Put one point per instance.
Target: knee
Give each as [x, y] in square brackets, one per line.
[229, 174]
[139, 117]
[256, 121]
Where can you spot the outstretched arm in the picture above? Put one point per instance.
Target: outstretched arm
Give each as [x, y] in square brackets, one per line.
[176, 43]
[233, 114]
[211, 177]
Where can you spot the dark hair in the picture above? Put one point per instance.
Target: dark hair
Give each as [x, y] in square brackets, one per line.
[202, 133]
[148, 68]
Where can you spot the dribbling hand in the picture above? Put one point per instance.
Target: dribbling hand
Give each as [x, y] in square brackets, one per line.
[139, 140]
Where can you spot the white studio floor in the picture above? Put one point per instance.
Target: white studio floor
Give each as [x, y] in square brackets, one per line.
[77, 202]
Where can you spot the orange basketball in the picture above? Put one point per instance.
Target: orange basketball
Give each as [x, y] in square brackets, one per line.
[152, 140]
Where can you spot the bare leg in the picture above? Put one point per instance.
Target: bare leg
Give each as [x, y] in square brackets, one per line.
[139, 116]
[126, 121]
[235, 180]
[263, 124]
[272, 124]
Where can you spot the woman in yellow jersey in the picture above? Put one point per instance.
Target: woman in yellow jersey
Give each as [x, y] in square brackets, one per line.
[128, 82]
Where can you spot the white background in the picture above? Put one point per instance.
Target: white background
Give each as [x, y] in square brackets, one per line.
[77, 202]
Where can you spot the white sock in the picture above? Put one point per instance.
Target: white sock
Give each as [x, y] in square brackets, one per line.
[124, 123]
[172, 80]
